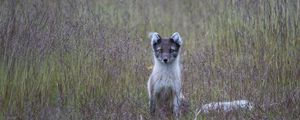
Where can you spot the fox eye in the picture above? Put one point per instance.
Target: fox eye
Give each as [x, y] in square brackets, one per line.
[159, 50]
[172, 50]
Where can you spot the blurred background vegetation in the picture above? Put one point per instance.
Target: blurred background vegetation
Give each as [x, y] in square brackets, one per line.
[90, 59]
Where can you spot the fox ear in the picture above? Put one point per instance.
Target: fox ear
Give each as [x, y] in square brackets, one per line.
[154, 36]
[176, 38]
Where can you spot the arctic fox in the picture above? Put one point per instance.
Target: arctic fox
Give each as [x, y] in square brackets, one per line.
[164, 84]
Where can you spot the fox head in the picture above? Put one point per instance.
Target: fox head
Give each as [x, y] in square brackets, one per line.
[165, 50]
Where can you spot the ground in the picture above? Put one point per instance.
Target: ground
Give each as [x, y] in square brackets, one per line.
[91, 59]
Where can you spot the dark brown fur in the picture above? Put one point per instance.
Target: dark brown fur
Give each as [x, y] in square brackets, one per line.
[166, 49]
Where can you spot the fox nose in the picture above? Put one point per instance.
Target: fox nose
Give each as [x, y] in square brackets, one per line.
[165, 60]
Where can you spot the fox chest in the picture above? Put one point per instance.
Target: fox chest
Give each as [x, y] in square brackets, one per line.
[163, 81]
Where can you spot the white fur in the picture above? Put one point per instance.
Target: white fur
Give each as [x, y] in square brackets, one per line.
[165, 76]
[154, 36]
[168, 74]
[176, 37]
[227, 106]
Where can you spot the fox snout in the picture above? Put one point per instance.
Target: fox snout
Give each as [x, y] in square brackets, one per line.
[165, 57]
[165, 60]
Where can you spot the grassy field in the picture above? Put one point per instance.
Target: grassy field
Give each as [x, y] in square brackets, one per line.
[91, 59]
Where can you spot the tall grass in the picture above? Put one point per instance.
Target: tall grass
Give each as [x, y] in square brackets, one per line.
[90, 59]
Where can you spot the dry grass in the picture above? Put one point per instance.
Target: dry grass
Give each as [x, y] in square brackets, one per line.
[89, 59]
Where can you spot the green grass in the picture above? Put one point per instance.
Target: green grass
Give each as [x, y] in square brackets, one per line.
[89, 59]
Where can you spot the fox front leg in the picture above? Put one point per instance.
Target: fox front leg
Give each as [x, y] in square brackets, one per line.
[152, 105]
[176, 104]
